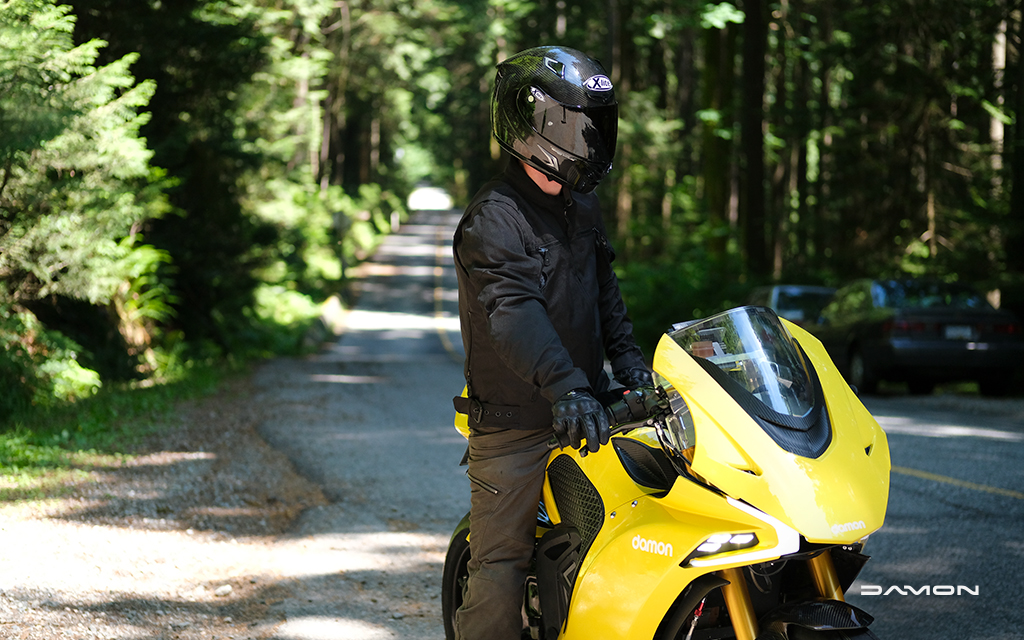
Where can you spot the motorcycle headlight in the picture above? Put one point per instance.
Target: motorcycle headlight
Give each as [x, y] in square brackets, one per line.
[676, 433]
[721, 543]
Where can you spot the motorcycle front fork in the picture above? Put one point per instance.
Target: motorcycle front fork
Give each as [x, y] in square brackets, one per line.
[737, 598]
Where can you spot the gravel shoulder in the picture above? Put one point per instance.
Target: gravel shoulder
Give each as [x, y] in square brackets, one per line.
[173, 543]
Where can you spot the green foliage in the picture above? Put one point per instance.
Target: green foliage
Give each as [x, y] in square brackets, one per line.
[74, 177]
[38, 367]
[207, 209]
[43, 448]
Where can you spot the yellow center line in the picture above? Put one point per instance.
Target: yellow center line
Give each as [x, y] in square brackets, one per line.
[959, 483]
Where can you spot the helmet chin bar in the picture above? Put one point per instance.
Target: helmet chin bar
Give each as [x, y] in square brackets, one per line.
[576, 174]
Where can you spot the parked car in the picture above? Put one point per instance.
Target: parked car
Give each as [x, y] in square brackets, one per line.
[797, 303]
[922, 332]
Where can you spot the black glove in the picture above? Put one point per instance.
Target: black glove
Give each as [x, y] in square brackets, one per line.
[577, 415]
[635, 378]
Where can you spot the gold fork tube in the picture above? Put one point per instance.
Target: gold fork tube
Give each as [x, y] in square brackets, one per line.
[823, 571]
[737, 601]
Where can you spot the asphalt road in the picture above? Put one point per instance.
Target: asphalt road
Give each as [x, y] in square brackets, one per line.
[955, 521]
[369, 419]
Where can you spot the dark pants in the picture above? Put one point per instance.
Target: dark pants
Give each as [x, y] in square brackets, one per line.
[506, 469]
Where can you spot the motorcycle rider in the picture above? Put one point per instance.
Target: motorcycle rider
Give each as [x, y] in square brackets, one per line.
[540, 309]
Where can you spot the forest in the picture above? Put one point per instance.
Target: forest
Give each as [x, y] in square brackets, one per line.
[189, 180]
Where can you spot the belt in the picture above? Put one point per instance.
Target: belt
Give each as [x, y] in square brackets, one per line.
[508, 417]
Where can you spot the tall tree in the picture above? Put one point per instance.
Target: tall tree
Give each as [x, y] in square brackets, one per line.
[74, 173]
[752, 193]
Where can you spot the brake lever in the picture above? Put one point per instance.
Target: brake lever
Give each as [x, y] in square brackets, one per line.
[626, 427]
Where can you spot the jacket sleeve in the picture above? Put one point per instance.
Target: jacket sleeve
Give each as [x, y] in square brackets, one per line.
[616, 328]
[505, 279]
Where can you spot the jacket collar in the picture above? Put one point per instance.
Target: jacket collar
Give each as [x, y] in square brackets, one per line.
[516, 176]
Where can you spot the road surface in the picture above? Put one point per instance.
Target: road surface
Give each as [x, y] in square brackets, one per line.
[369, 419]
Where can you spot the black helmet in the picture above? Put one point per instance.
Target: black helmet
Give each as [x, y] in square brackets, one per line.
[554, 108]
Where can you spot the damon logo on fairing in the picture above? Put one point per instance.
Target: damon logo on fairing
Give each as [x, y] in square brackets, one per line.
[652, 546]
[847, 527]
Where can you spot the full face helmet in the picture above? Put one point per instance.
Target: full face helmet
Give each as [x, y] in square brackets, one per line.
[554, 108]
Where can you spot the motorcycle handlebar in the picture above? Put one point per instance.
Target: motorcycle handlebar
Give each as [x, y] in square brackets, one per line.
[636, 405]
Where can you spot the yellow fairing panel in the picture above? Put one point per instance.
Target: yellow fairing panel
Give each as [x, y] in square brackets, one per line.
[839, 497]
[632, 573]
[462, 419]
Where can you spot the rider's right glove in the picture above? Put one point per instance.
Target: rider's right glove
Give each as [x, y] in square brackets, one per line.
[577, 415]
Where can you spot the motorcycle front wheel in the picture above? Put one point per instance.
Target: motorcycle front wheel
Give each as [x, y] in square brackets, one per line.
[453, 580]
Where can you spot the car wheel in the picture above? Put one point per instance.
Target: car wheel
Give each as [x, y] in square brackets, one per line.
[861, 375]
[997, 385]
[920, 387]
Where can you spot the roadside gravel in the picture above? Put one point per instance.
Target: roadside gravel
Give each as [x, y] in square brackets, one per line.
[173, 543]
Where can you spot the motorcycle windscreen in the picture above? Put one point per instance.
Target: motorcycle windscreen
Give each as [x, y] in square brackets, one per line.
[749, 347]
[776, 425]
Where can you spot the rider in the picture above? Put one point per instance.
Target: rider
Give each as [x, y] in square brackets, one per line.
[540, 310]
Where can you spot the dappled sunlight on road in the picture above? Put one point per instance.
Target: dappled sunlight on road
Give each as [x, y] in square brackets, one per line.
[326, 628]
[929, 429]
[394, 552]
[387, 270]
[342, 379]
[359, 320]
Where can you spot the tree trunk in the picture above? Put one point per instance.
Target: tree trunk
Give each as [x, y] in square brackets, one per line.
[720, 46]
[752, 194]
[1015, 237]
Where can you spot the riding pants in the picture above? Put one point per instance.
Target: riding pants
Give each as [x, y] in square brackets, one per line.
[506, 471]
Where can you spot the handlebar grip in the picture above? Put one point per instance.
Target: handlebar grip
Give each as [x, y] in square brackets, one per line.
[618, 413]
[635, 405]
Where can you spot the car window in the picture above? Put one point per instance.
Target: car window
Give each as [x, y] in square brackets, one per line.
[878, 295]
[759, 297]
[802, 305]
[913, 294]
[849, 300]
[858, 298]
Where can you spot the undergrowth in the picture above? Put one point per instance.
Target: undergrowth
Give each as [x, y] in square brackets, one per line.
[44, 450]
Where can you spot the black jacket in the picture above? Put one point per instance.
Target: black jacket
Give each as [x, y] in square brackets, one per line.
[539, 303]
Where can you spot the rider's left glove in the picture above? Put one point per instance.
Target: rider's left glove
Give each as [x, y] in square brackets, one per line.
[635, 378]
[577, 415]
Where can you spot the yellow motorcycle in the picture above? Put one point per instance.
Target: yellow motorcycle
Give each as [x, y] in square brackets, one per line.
[738, 509]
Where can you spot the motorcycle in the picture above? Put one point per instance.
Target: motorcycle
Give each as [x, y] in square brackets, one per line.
[738, 509]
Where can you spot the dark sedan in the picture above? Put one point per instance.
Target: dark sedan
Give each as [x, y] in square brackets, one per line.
[921, 332]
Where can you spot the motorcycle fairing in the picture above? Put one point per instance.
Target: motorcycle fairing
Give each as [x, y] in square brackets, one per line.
[635, 567]
[838, 497]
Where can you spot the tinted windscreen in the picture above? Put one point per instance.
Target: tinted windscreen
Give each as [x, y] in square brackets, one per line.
[752, 348]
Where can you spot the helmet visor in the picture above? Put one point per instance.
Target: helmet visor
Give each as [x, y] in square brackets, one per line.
[585, 132]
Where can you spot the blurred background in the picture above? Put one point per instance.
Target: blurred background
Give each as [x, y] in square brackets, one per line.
[189, 181]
